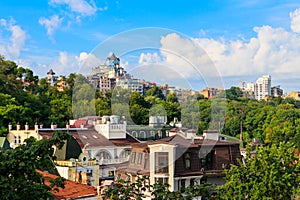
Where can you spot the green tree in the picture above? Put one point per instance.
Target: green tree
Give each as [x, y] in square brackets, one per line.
[234, 93]
[19, 178]
[155, 91]
[272, 173]
[127, 190]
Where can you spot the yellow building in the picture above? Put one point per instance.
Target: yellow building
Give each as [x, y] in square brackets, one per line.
[295, 95]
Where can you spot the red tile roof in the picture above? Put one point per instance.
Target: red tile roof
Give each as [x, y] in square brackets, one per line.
[72, 190]
[78, 123]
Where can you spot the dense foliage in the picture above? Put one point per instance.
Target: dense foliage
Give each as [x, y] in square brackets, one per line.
[273, 172]
[19, 178]
[137, 190]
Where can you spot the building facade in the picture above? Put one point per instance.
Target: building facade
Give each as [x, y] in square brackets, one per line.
[211, 92]
[262, 87]
[181, 161]
[276, 91]
[295, 95]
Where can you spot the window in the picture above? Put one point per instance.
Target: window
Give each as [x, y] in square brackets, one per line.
[16, 141]
[161, 162]
[19, 139]
[187, 160]
[192, 182]
[162, 180]
[146, 164]
[140, 156]
[125, 153]
[182, 185]
[206, 160]
[111, 173]
[103, 155]
[133, 157]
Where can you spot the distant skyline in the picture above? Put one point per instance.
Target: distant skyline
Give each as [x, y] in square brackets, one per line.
[244, 39]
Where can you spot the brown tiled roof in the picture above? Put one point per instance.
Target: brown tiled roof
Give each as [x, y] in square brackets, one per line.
[92, 138]
[83, 137]
[180, 140]
[72, 190]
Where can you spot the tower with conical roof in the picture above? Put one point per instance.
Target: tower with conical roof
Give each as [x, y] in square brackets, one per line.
[51, 78]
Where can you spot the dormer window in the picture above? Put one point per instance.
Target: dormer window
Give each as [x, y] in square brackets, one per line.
[187, 160]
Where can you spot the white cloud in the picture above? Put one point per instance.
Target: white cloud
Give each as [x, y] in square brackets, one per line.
[72, 11]
[12, 49]
[79, 6]
[67, 63]
[295, 20]
[51, 24]
[146, 58]
[272, 51]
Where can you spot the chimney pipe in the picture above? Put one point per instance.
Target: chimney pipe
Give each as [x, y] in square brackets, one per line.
[26, 126]
[67, 125]
[9, 126]
[52, 126]
[18, 126]
[36, 126]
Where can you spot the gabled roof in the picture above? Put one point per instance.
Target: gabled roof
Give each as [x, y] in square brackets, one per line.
[4, 144]
[91, 138]
[72, 190]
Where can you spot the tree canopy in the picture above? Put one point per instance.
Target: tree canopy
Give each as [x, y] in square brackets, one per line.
[19, 178]
[273, 172]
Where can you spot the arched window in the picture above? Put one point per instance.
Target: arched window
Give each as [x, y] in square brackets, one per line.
[143, 135]
[187, 160]
[134, 134]
[103, 155]
[125, 153]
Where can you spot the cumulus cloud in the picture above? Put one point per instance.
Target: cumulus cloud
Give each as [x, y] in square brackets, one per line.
[67, 63]
[146, 58]
[272, 51]
[295, 20]
[81, 7]
[18, 36]
[51, 24]
[178, 60]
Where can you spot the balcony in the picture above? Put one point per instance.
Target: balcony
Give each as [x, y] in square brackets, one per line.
[73, 163]
[113, 161]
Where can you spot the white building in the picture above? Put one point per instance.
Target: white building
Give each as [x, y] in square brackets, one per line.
[133, 84]
[263, 87]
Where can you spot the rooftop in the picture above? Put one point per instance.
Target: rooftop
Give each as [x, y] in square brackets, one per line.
[72, 190]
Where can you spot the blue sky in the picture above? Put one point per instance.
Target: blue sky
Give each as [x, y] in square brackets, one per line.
[244, 39]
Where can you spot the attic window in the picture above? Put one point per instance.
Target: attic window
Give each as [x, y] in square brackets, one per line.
[84, 137]
[94, 136]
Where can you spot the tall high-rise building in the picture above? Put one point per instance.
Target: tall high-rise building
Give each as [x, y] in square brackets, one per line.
[262, 87]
